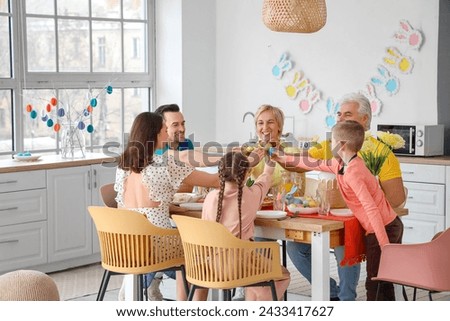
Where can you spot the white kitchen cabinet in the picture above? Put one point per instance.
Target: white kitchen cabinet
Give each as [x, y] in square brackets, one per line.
[425, 202]
[101, 174]
[447, 197]
[23, 245]
[71, 190]
[69, 227]
[23, 220]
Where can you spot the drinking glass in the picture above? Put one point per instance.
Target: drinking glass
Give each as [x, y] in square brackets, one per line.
[279, 198]
[324, 202]
[279, 204]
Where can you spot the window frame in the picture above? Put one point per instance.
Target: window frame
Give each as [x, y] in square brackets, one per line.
[21, 80]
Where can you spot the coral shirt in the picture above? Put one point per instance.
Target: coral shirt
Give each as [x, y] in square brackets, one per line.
[361, 192]
[389, 170]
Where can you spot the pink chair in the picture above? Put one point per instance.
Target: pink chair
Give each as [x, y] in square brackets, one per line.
[420, 266]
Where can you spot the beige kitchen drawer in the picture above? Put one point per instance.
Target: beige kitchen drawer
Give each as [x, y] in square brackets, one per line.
[12, 182]
[23, 207]
[421, 228]
[23, 245]
[423, 173]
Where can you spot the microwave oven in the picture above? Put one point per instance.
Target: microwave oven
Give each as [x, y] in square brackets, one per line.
[420, 140]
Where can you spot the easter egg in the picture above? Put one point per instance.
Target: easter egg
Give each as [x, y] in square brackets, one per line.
[29, 108]
[85, 113]
[50, 123]
[48, 108]
[109, 89]
[53, 101]
[81, 125]
[90, 128]
[89, 109]
[44, 118]
[297, 200]
[19, 154]
[61, 112]
[57, 127]
[93, 102]
[33, 114]
[27, 154]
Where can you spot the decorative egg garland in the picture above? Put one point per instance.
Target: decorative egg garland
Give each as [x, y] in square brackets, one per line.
[52, 114]
[301, 87]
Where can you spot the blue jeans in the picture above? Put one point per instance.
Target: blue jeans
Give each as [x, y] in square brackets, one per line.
[300, 255]
[150, 276]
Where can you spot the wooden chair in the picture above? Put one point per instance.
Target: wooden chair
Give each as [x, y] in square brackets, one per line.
[420, 266]
[130, 244]
[216, 259]
[108, 195]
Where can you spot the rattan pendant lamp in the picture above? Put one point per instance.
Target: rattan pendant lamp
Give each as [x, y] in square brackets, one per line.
[302, 16]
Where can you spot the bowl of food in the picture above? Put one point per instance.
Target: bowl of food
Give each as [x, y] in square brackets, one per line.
[181, 198]
[304, 205]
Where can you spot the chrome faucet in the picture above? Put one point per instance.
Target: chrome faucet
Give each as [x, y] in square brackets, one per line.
[246, 114]
[253, 139]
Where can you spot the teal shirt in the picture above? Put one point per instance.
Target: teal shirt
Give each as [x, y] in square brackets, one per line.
[187, 144]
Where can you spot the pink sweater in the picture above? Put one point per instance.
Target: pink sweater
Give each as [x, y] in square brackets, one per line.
[252, 198]
[361, 192]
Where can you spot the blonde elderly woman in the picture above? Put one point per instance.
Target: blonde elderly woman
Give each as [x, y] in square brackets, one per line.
[269, 122]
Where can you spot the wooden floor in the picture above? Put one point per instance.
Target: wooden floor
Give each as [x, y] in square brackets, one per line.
[83, 283]
[299, 285]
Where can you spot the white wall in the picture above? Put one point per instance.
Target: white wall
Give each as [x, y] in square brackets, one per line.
[340, 58]
[185, 62]
[169, 81]
[223, 55]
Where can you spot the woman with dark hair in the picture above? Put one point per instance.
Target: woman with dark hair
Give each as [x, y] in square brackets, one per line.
[146, 182]
[235, 205]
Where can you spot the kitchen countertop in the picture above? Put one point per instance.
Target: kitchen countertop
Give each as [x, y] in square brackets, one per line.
[52, 162]
[55, 161]
[430, 160]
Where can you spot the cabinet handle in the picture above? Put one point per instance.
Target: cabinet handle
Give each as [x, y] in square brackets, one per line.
[95, 178]
[9, 241]
[89, 179]
[408, 227]
[9, 209]
[409, 173]
[8, 182]
[410, 197]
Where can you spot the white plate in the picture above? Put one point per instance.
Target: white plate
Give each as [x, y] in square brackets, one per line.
[341, 212]
[303, 210]
[271, 214]
[180, 198]
[31, 158]
[192, 206]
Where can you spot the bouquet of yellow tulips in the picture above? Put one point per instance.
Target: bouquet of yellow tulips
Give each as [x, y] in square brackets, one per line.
[374, 155]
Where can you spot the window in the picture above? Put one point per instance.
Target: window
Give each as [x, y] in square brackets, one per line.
[135, 48]
[69, 53]
[101, 51]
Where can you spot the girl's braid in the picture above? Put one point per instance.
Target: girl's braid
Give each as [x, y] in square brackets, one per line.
[222, 169]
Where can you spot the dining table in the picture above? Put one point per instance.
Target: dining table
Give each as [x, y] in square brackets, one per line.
[323, 232]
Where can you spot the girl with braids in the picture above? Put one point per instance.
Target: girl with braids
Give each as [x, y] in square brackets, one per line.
[235, 205]
[146, 181]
